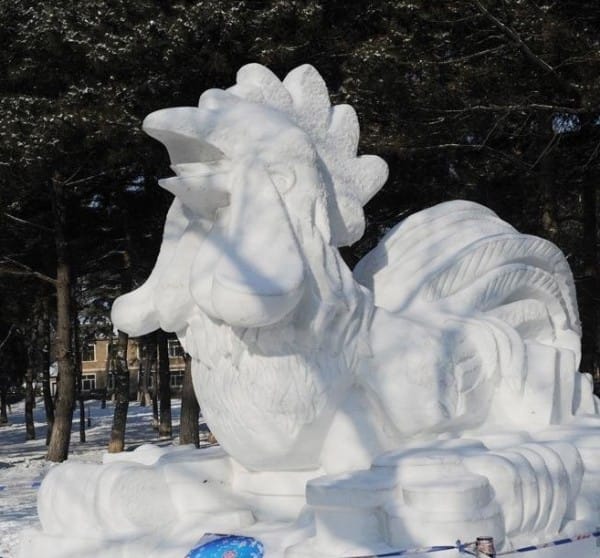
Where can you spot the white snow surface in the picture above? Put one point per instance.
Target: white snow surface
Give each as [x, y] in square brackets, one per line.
[23, 462]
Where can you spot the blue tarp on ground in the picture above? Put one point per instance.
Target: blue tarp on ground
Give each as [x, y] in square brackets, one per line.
[227, 546]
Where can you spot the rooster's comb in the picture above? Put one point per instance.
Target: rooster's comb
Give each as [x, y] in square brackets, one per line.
[334, 130]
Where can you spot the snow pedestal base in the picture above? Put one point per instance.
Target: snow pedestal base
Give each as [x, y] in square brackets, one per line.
[539, 487]
[432, 494]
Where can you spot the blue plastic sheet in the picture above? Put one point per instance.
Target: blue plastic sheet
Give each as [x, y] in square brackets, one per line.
[227, 546]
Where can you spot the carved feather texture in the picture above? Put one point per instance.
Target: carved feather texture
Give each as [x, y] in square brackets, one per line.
[459, 257]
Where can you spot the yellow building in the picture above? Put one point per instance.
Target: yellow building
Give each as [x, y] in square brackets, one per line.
[98, 378]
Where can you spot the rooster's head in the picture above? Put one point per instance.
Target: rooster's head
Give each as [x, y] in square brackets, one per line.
[254, 165]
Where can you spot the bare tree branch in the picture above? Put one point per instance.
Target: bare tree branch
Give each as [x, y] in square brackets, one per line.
[454, 21]
[592, 156]
[110, 254]
[495, 127]
[514, 36]
[461, 147]
[72, 177]
[439, 147]
[20, 269]
[513, 108]
[89, 178]
[5, 340]
[457, 60]
[36, 274]
[549, 147]
[27, 223]
[589, 59]
[461, 59]
[527, 52]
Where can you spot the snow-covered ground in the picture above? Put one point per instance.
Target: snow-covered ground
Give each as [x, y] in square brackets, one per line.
[22, 463]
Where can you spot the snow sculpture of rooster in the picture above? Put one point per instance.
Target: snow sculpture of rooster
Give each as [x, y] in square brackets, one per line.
[431, 395]
[430, 335]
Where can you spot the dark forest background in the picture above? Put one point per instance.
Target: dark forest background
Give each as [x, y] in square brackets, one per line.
[495, 101]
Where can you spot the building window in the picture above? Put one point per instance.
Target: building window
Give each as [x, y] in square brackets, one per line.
[88, 352]
[88, 382]
[176, 379]
[175, 348]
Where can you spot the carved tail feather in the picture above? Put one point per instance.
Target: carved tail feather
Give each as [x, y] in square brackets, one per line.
[460, 259]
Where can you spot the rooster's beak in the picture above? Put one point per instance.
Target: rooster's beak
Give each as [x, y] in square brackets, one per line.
[181, 131]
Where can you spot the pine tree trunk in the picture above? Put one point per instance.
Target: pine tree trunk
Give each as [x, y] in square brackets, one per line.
[141, 391]
[81, 402]
[165, 428]
[589, 284]
[47, 393]
[3, 414]
[148, 347]
[190, 410]
[29, 401]
[122, 379]
[35, 364]
[78, 369]
[58, 448]
[546, 173]
[117, 434]
[45, 339]
[146, 360]
[155, 420]
[154, 341]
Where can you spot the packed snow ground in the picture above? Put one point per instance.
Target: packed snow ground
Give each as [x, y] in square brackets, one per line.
[23, 463]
